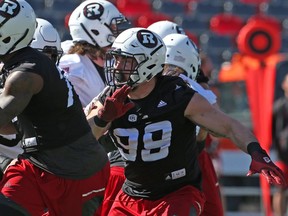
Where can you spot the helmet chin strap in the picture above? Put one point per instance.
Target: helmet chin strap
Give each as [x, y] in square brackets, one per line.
[17, 42]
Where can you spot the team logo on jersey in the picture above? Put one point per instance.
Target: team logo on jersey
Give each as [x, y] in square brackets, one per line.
[162, 103]
[147, 38]
[132, 118]
[93, 11]
[9, 9]
[176, 174]
[267, 159]
[177, 87]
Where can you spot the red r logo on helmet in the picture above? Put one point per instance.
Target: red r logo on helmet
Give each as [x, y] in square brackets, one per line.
[9, 8]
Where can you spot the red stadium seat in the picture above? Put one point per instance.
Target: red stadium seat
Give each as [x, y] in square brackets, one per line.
[134, 7]
[255, 2]
[226, 24]
[169, 7]
[66, 20]
[148, 18]
[184, 1]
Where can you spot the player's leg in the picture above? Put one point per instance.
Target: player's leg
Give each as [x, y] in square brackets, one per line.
[279, 199]
[187, 201]
[213, 205]
[76, 193]
[91, 206]
[20, 185]
[115, 183]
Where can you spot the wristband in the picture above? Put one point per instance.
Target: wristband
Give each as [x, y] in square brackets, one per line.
[254, 146]
[99, 122]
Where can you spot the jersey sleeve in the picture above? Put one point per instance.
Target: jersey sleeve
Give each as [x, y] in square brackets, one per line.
[206, 93]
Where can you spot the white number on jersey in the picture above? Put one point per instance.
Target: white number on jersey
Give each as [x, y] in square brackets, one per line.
[153, 149]
[70, 99]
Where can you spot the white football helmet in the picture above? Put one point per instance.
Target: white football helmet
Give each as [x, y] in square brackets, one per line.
[17, 25]
[165, 27]
[46, 39]
[97, 22]
[183, 53]
[146, 47]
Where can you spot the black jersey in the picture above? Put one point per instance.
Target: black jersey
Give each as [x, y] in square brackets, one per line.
[53, 123]
[55, 112]
[157, 142]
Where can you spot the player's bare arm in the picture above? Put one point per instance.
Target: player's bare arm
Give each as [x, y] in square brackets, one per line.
[217, 122]
[203, 132]
[19, 88]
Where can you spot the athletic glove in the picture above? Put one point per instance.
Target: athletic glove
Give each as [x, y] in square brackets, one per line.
[114, 107]
[261, 163]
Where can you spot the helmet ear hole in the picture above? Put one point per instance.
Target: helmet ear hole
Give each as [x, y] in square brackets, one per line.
[95, 32]
[7, 40]
[151, 66]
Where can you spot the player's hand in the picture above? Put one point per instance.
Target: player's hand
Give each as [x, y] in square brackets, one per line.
[261, 163]
[115, 106]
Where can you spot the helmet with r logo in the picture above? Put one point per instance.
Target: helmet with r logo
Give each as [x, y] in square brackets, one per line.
[146, 47]
[17, 25]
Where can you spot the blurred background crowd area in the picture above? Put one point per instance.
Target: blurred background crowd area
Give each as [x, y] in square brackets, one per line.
[238, 37]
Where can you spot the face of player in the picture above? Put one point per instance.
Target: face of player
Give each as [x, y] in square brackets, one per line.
[118, 25]
[172, 70]
[123, 68]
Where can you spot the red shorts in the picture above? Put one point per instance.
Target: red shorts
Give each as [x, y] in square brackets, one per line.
[37, 190]
[179, 203]
[210, 185]
[116, 180]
